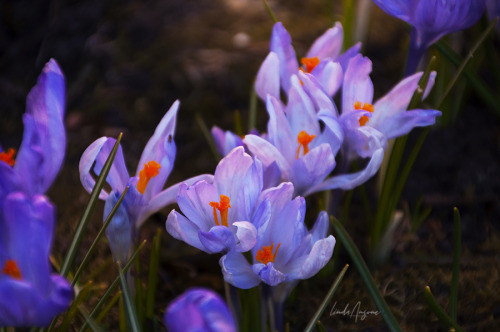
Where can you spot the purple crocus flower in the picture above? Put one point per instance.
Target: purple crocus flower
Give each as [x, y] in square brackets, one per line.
[431, 20]
[42, 150]
[29, 294]
[303, 151]
[225, 141]
[323, 61]
[285, 250]
[146, 194]
[218, 216]
[199, 310]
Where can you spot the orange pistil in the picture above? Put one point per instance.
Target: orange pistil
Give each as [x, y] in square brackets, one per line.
[304, 139]
[150, 170]
[10, 268]
[265, 255]
[365, 107]
[8, 157]
[309, 63]
[222, 206]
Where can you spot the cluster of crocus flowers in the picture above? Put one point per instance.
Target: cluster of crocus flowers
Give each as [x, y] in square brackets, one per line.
[31, 295]
[431, 20]
[146, 194]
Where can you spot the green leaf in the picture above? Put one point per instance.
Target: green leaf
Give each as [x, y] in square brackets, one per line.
[439, 312]
[154, 263]
[361, 266]
[315, 320]
[208, 136]
[133, 322]
[98, 237]
[82, 224]
[113, 285]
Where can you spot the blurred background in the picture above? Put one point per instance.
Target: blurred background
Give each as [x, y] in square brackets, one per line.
[126, 62]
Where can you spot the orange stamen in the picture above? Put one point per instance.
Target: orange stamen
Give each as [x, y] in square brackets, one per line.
[265, 255]
[304, 139]
[310, 63]
[10, 268]
[365, 107]
[8, 157]
[223, 207]
[150, 170]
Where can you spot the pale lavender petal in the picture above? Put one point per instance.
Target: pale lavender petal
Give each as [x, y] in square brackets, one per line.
[333, 133]
[268, 154]
[320, 227]
[225, 141]
[268, 77]
[281, 44]
[183, 229]
[268, 274]
[308, 265]
[237, 271]
[246, 233]
[402, 123]
[402, 9]
[330, 75]
[98, 152]
[345, 57]
[167, 197]
[300, 110]
[357, 83]
[352, 180]
[278, 129]
[311, 169]
[160, 148]
[194, 202]
[329, 44]
[253, 185]
[217, 239]
[320, 99]
[120, 230]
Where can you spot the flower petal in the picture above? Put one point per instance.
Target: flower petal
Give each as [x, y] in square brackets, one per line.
[246, 235]
[281, 44]
[357, 83]
[329, 44]
[217, 239]
[268, 77]
[268, 154]
[183, 229]
[97, 153]
[237, 271]
[268, 274]
[402, 123]
[194, 202]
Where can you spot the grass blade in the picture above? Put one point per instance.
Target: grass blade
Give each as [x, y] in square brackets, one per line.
[439, 312]
[365, 274]
[208, 136]
[154, 263]
[98, 237]
[132, 319]
[315, 320]
[457, 246]
[113, 285]
[82, 224]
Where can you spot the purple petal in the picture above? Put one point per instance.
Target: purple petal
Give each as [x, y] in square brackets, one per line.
[345, 57]
[268, 274]
[217, 239]
[206, 311]
[268, 77]
[278, 129]
[402, 123]
[237, 271]
[330, 76]
[225, 141]
[357, 83]
[98, 152]
[320, 99]
[183, 229]
[160, 148]
[311, 169]
[268, 154]
[402, 9]
[329, 44]
[120, 230]
[246, 235]
[281, 44]
[194, 202]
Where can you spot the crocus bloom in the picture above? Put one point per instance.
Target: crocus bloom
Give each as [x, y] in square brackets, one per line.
[218, 217]
[146, 195]
[34, 167]
[225, 141]
[323, 61]
[285, 250]
[431, 20]
[199, 310]
[368, 126]
[29, 294]
[303, 152]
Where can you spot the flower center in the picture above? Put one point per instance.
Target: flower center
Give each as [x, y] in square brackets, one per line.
[365, 107]
[150, 170]
[309, 64]
[10, 268]
[222, 206]
[304, 139]
[8, 157]
[265, 255]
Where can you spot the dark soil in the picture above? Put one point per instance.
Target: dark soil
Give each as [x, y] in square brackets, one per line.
[126, 62]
